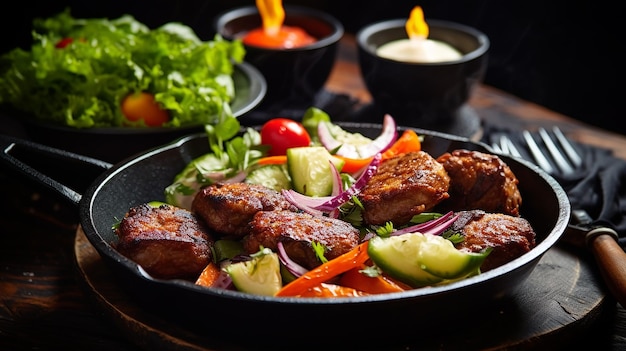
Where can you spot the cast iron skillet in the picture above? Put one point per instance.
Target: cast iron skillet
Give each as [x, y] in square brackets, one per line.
[261, 319]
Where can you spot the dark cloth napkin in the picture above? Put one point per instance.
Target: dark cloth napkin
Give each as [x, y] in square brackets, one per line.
[598, 186]
[340, 107]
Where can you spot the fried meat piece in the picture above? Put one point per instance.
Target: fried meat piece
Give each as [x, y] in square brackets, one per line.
[297, 231]
[227, 208]
[168, 242]
[402, 187]
[480, 181]
[509, 236]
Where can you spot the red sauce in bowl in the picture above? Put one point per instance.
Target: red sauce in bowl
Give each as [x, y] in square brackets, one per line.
[286, 38]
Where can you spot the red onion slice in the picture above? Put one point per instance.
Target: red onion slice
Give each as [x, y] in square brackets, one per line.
[329, 204]
[337, 183]
[237, 178]
[347, 194]
[303, 202]
[223, 281]
[434, 227]
[327, 139]
[223, 176]
[293, 267]
[440, 228]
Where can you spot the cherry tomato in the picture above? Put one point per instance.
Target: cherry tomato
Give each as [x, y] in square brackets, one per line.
[283, 133]
[63, 43]
[142, 106]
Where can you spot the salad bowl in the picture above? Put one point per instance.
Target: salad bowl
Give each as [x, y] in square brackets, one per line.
[89, 84]
[113, 144]
[274, 321]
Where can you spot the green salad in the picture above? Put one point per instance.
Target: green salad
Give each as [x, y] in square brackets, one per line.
[78, 72]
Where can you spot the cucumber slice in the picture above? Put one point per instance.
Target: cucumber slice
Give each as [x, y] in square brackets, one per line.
[345, 137]
[341, 142]
[259, 276]
[439, 257]
[422, 259]
[397, 256]
[309, 170]
[286, 275]
[225, 249]
[272, 176]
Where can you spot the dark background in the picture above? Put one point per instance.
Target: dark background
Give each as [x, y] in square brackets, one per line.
[564, 55]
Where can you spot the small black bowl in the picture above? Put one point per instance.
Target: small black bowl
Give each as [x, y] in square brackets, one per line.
[424, 95]
[294, 76]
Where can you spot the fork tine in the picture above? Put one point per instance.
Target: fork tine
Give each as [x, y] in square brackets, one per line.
[497, 148]
[557, 156]
[569, 149]
[542, 161]
[508, 146]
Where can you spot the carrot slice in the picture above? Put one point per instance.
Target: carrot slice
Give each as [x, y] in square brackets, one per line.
[320, 274]
[353, 165]
[372, 285]
[209, 275]
[409, 141]
[331, 290]
[273, 160]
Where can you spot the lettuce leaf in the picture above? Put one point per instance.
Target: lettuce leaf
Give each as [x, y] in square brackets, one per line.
[82, 84]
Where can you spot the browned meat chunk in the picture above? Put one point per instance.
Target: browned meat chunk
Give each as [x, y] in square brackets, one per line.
[297, 231]
[227, 208]
[168, 242]
[402, 187]
[509, 236]
[480, 181]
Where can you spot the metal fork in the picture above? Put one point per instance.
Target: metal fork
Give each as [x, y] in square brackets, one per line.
[563, 155]
[601, 241]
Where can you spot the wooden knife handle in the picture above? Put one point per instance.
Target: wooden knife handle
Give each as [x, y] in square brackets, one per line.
[611, 260]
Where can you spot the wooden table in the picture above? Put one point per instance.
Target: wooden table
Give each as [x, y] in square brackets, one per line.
[46, 304]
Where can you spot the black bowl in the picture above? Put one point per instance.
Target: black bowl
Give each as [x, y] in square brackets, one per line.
[294, 76]
[113, 144]
[423, 95]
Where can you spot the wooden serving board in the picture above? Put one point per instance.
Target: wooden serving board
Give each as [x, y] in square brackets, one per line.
[559, 303]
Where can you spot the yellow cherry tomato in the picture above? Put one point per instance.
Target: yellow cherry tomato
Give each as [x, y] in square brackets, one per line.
[142, 106]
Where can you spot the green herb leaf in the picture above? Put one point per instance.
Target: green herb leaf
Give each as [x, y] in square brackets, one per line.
[386, 230]
[312, 117]
[453, 236]
[425, 217]
[319, 251]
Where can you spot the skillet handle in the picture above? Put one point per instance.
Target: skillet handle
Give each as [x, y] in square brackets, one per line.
[611, 260]
[27, 158]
